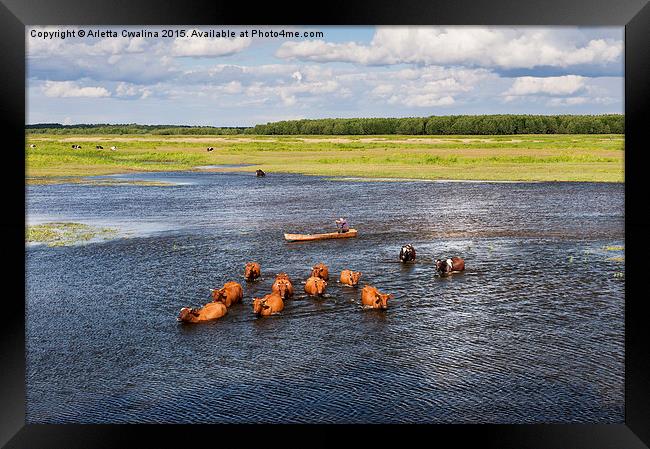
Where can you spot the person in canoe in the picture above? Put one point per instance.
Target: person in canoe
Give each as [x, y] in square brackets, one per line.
[342, 225]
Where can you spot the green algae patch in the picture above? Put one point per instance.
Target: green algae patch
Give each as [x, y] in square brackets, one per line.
[64, 234]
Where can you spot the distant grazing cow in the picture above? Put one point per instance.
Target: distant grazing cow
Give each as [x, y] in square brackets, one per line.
[99, 147]
[320, 270]
[231, 293]
[113, 148]
[373, 298]
[32, 146]
[283, 286]
[210, 311]
[315, 286]
[407, 253]
[76, 147]
[260, 173]
[210, 148]
[252, 271]
[451, 265]
[350, 278]
[269, 305]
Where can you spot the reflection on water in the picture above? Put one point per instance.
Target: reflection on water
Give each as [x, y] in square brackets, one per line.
[531, 332]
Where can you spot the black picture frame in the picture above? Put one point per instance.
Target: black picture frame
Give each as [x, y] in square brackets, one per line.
[633, 14]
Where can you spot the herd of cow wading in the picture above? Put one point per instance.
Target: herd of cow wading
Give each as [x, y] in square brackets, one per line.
[282, 289]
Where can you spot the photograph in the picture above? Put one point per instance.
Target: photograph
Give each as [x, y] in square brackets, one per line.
[336, 224]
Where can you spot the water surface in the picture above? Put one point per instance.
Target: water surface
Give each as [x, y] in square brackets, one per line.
[531, 332]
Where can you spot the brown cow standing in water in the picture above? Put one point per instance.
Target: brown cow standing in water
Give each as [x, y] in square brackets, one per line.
[315, 286]
[252, 271]
[208, 312]
[260, 173]
[451, 265]
[320, 270]
[231, 293]
[371, 297]
[283, 286]
[349, 277]
[269, 305]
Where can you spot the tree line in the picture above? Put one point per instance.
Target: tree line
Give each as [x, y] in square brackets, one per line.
[453, 124]
[434, 125]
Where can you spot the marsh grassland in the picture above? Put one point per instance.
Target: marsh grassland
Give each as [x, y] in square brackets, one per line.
[552, 157]
[65, 233]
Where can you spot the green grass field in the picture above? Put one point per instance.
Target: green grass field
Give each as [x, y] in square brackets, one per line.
[547, 157]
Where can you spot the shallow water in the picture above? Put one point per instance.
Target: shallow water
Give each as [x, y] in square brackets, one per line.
[531, 332]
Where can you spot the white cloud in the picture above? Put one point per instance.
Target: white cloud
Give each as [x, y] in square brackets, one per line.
[63, 89]
[573, 101]
[422, 101]
[552, 85]
[128, 90]
[477, 46]
[187, 46]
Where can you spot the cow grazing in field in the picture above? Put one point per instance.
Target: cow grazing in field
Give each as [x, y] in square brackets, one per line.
[208, 312]
[283, 286]
[349, 277]
[252, 271]
[231, 293]
[320, 270]
[113, 148]
[407, 253]
[268, 305]
[76, 147]
[210, 149]
[99, 147]
[315, 286]
[260, 173]
[373, 298]
[32, 146]
[451, 265]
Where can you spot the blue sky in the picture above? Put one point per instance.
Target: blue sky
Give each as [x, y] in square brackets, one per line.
[393, 71]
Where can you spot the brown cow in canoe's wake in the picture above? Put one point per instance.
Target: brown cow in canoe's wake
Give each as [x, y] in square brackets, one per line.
[315, 286]
[350, 278]
[252, 271]
[231, 293]
[269, 305]
[320, 270]
[451, 265]
[283, 286]
[373, 298]
[208, 312]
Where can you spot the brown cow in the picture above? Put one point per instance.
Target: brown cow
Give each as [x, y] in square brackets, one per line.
[283, 286]
[231, 293]
[349, 277]
[451, 265]
[320, 270]
[315, 286]
[371, 297]
[210, 311]
[252, 271]
[269, 305]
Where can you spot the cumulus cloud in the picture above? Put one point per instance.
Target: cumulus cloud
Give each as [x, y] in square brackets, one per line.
[131, 91]
[552, 85]
[477, 46]
[198, 47]
[573, 101]
[64, 89]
